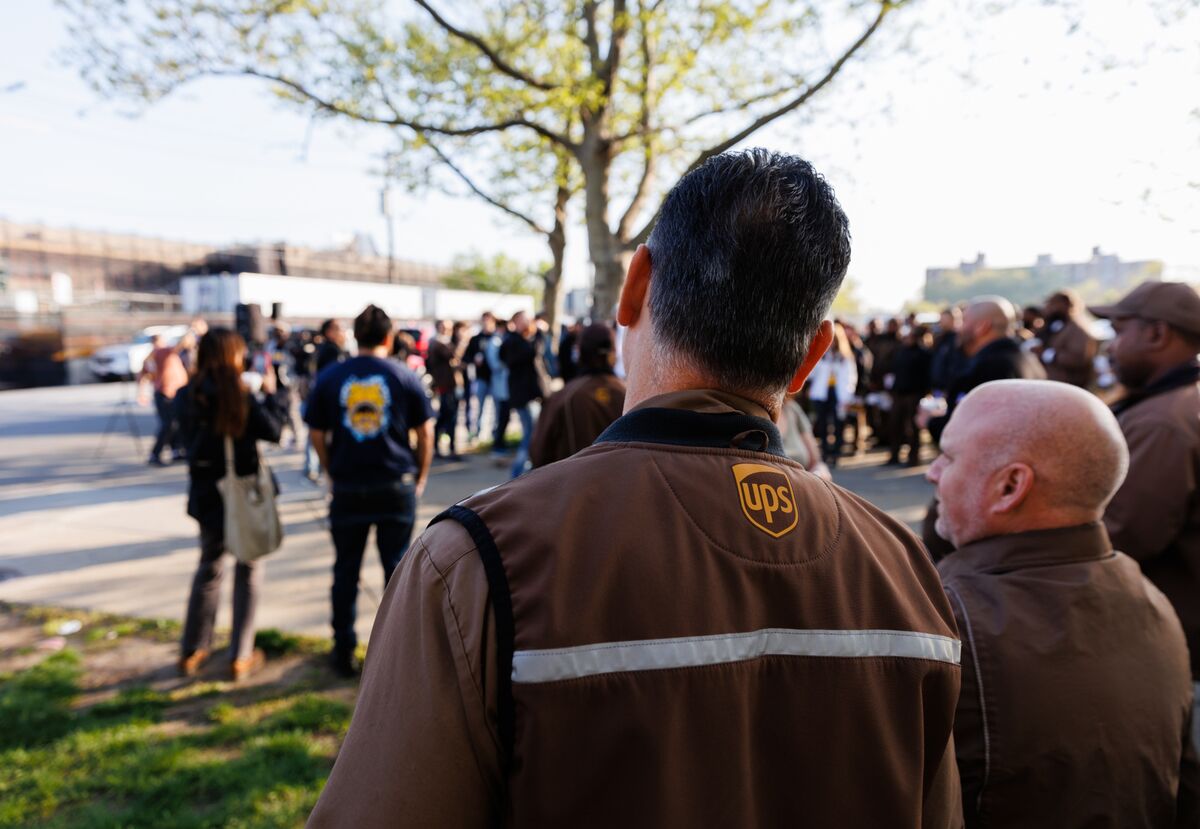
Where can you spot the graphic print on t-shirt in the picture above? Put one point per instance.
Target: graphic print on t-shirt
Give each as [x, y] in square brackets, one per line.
[366, 402]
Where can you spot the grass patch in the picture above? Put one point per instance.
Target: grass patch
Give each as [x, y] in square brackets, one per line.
[96, 627]
[35, 704]
[120, 763]
[275, 642]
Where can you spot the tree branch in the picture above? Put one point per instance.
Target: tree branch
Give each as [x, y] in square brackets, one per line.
[885, 6]
[494, 202]
[640, 131]
[487, 51]
[590, 38]
[741, 106]
[620, 29]
[396, 120]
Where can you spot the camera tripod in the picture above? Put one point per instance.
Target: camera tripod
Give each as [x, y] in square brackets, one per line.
[123, 408]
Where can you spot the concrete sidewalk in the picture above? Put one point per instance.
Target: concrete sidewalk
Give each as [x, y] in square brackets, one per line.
[85, 523]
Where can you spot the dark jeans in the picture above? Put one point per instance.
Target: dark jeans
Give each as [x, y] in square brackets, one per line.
[827, 421]
[168, 428]
[206, 593]
[447, 419]
[904, 431]
[351, 519]
[503, 414]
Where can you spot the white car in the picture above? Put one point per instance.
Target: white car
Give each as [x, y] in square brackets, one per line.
[123, 362]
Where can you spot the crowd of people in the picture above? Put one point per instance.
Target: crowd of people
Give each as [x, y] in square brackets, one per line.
[677, 618]
[374, 428]
[892, 382]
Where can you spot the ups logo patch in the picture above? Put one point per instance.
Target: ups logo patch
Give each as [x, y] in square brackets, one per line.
[767, 498]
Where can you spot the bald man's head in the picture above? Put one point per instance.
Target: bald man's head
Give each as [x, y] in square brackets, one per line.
[987, 319]
[1022, 455]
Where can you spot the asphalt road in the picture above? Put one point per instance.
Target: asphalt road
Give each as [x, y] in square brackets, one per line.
[86, 523]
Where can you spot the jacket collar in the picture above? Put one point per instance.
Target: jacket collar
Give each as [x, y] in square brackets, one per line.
[1185, 375]
[1037, 548]
[997, 346]
[702, 417]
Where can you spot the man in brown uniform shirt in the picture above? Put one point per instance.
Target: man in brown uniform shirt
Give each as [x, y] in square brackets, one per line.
[677, 626]
[1155, 516]
[1076, 697]
[586, 406]
[1069, 353]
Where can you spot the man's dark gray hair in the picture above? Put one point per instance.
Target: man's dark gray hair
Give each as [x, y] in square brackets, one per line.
[747, 255]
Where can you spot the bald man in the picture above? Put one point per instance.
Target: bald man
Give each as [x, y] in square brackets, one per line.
[1076, 698]
[988, 341]
[992, 352]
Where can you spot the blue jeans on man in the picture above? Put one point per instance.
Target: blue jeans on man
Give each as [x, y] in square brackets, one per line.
[522, 458]
[481, 392]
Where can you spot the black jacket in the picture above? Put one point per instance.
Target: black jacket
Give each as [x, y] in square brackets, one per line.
[911, 365]
[476, 355]
[206, 449]
[1002, 359]
[947, 360]
[527, 375]
[327, 354]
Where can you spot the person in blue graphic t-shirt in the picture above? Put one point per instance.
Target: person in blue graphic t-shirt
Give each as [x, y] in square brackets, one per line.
[360, 412]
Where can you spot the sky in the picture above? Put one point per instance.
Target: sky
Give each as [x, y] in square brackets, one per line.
[997, 133]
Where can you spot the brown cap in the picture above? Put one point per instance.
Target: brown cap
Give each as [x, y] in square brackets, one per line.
[1175, 303]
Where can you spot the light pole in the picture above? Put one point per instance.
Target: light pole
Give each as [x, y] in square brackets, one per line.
[385, 208]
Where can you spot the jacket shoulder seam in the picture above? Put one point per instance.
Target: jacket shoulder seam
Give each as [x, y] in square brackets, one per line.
[476, 685]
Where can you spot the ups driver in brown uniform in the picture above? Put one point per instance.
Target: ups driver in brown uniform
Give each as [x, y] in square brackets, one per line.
[677, 626]
[1155, 515]
[575, 416]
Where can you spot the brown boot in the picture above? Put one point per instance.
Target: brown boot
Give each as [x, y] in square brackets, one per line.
[252, 664]
[191, 664]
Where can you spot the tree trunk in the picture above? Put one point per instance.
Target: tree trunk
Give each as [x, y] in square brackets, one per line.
[552, 278]
[604, 247]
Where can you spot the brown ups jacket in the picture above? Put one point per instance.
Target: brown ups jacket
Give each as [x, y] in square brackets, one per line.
[1076, 695]
[1070, 354]
[676, 627]
[575, 416]
[1155, 516]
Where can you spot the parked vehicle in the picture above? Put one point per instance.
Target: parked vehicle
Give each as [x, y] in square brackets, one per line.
[124, 361]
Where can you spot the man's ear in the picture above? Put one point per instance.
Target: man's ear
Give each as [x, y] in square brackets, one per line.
[1158, 334]
[636, 287]
[816, 350]
[1013, 485]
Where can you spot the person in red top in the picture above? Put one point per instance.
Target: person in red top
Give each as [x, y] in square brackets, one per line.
[166, 372]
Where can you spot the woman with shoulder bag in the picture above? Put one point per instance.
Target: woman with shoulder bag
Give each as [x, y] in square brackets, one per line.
[217, 411]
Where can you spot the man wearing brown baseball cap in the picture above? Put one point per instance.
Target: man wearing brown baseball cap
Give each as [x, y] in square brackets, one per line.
[1155, 516]
[579, 413]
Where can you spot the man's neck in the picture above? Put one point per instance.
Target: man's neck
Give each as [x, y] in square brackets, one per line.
[679, 379]
[1038, 519]
[380, 351]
